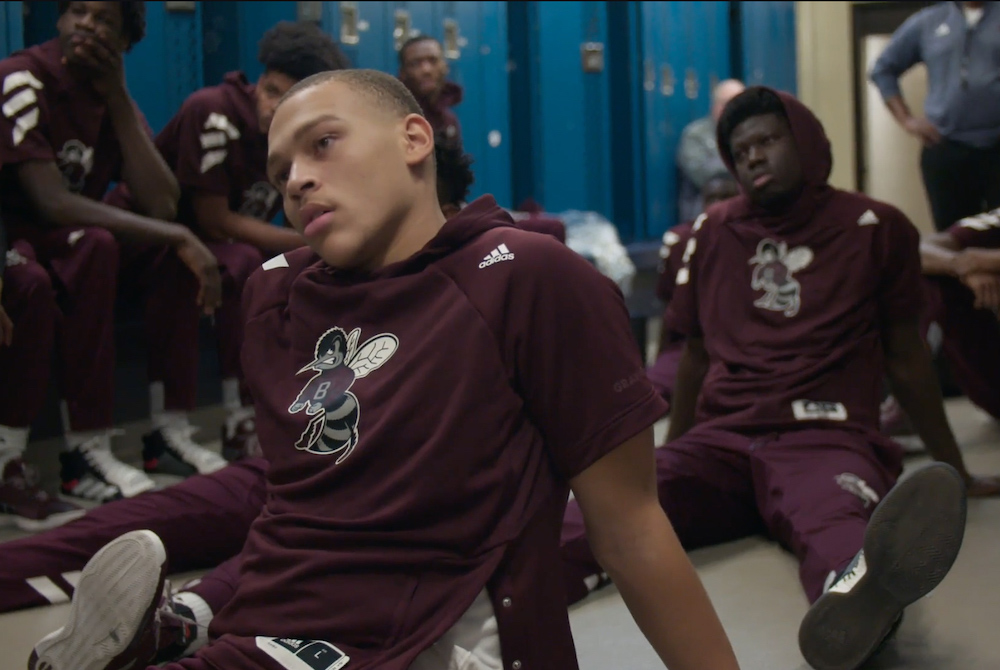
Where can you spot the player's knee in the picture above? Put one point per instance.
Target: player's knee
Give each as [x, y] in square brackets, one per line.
[28, 283]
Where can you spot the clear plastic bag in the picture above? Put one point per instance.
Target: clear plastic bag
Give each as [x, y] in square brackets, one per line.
[595, 238]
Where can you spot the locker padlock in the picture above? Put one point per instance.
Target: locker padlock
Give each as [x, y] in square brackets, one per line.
[179, 6]
[401, 31]
[453, 42]
[649, 80]
[349, 23]
[691, 84]
[667, 81]
[592, 55]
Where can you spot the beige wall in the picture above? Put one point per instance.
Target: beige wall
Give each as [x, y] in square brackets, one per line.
[825, 79]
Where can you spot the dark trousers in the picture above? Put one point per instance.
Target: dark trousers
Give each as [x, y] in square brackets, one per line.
[960, 180]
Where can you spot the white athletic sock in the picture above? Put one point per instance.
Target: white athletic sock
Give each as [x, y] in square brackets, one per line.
[231, 394]
[167, 419]
[13, 443]
[202, 616]
[157, 402]
[75, 438]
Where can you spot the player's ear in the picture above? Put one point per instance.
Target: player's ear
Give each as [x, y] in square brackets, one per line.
[419, 139]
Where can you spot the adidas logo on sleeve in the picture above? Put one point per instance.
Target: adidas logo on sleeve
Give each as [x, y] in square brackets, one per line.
[498, 255]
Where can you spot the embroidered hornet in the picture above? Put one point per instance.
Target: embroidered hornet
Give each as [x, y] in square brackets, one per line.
[326, 397]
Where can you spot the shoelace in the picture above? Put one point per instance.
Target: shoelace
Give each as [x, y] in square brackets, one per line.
[179, 437]
[97, 452]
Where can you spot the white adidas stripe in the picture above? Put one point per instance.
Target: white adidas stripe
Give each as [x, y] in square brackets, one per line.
[48, 589]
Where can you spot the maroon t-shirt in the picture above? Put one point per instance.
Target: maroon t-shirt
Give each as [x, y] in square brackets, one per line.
[214, 145]
[790, 306]
[982, 231]
[50, 115]
[422, 424]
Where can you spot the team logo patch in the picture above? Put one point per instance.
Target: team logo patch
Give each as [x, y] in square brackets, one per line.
[326, 398]
[816, 410]
[775, 265]
[259, 200]
[303, 654]
[75, 161]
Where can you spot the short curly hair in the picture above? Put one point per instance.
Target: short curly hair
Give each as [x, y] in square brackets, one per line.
[454, 173]
[133, 20]
[299, 50]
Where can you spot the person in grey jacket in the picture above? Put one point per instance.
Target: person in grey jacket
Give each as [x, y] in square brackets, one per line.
[697, 154]
[959, 42]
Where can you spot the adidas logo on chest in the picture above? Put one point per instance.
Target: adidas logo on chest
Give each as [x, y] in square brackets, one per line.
[498, 255]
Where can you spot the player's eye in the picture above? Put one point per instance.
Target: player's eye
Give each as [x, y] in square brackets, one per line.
[324, 142]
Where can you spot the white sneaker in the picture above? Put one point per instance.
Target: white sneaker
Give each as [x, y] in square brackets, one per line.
[91, 471]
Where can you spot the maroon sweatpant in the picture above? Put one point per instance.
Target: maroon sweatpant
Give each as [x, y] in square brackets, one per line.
[82, 267]
[805, 489]
[970, 340]
[202, 521]
[25, 366]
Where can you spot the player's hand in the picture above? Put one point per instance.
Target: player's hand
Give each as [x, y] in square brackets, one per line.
[105, 63]
[982, 487]
[986, 287]
[6, 328]
[922, 129]
[970, 261]
[205, 267]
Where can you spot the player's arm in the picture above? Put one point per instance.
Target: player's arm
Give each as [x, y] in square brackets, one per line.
[915, 385]
[635, 543]
[43, 184]
[219, 222]
[938, 255]
[977, 268]
[691, 371]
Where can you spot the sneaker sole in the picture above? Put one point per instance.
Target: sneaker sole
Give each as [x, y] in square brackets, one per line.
[115, 599]
[911, 542]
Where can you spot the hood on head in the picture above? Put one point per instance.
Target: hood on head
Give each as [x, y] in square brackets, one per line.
[815, 154]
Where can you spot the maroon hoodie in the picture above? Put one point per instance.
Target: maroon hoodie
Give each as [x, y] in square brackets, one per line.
[439, 114]
[790, 305]
[421, 434]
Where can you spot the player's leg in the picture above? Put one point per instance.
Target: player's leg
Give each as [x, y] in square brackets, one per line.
[202, 521]
[705, 488]
[949, 171]
[866, 549]
[84, 265]
[970, 341]
[237, 262]
[169, 291]
[25, 366]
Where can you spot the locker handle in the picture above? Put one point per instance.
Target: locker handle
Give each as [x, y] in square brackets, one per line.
[349, 23]
[667, 81]
[691, 84]
[649, 80]
[401, 31]
[452, 41]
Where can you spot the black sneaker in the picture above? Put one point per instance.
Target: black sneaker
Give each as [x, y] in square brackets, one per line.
[91, 472]
[911, 542]
[170, 450]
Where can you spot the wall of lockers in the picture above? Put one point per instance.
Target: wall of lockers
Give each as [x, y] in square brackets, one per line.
[578, 105]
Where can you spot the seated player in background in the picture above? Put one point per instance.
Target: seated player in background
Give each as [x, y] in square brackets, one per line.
[663, 372]
[516, 426]
[216, 145]
[68, 130]
[795, 299]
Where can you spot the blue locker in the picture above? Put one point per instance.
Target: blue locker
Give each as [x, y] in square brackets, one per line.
[769, 44]
[569, 118]
[475, 42]
[11, 28]
[232, 31]
[625, 65]
[365, 34]
[166, 67]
